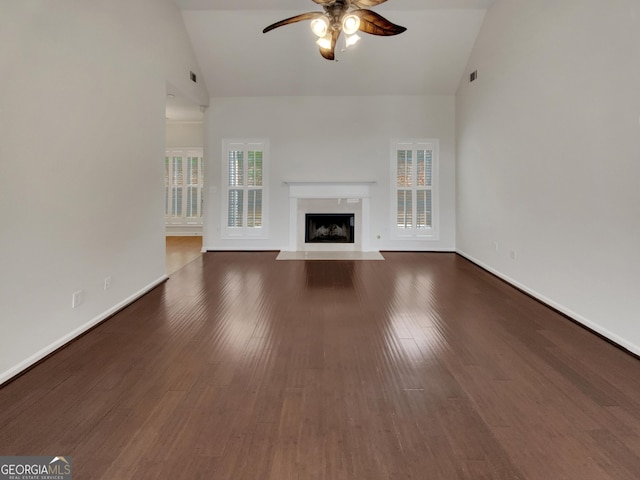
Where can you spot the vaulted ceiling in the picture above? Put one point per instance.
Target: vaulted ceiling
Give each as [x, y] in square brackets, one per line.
[237, 59]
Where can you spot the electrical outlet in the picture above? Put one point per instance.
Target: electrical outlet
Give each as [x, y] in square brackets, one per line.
[107, 283]
[77, 298]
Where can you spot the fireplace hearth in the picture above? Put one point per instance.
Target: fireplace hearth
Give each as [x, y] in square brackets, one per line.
[329, 228]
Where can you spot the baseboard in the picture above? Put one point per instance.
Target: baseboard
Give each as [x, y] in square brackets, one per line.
[183, 231]
[236, 249]
[573, 316]
[286, 249]
[431, 250]
[23, 366]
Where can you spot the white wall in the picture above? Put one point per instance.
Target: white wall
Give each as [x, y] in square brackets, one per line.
[548, 142]
[184, 134]
[330, 139]
[83, 99]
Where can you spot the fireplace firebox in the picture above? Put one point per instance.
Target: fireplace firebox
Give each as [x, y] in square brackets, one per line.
[329, 228]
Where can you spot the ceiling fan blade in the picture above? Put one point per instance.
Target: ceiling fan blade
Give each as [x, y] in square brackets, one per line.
[371, 22]
[329, 53]
[365, 3]
[297, 18]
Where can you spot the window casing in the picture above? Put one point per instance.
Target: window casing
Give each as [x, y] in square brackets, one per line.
[414, 174]
[244, 171]
[183, 182]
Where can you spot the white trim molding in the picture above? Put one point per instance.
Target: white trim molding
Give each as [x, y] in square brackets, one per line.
[353, 192]
[429, 185]
[48, 350]
[575, 316]
[244, 231]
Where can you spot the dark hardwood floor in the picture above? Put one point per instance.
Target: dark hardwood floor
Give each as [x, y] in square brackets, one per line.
[422, 366]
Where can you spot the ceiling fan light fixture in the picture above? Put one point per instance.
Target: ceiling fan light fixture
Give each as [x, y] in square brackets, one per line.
[350, 24]
[342, 16]
[324, 42]
[320, 26]
[351, 40]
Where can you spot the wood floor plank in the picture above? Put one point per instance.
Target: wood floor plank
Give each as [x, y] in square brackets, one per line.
[242, 367]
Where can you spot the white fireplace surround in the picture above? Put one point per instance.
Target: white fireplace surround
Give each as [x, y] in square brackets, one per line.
[317, 197]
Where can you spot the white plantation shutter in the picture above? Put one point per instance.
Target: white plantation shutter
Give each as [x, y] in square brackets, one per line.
[424, 205]
[413, 166]
[236, 191]
[183, 182]
[404, 181]
[254, 183]
[176, 187]
[254, 209]
[167, 176]
[244, 169]
[193, 183]
[405, 208]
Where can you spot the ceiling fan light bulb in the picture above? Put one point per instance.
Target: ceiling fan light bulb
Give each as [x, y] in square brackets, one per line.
[352, 40]
[350, 24]
[319, 26]
[324, 42]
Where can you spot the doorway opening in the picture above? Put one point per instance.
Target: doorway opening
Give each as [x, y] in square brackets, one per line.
[183, 180]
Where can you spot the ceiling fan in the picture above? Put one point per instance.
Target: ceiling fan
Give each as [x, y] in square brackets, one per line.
[346, 16]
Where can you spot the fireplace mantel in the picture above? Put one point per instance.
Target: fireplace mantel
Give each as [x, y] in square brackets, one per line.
[352, 191]
[329, 189]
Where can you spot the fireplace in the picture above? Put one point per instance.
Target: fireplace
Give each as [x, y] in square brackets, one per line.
[329, 228]
[335, 198]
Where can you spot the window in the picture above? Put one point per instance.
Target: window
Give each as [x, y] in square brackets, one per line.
[244, 167]
[414, 176]
[183, 180]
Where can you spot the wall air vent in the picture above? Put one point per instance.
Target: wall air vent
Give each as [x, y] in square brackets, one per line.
[473, 76]
[192, 76]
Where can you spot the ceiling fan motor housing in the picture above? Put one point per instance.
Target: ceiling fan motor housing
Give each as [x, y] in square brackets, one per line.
[335, 13]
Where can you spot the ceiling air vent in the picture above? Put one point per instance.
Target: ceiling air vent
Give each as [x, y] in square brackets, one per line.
[473, 76]
[192, 76]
